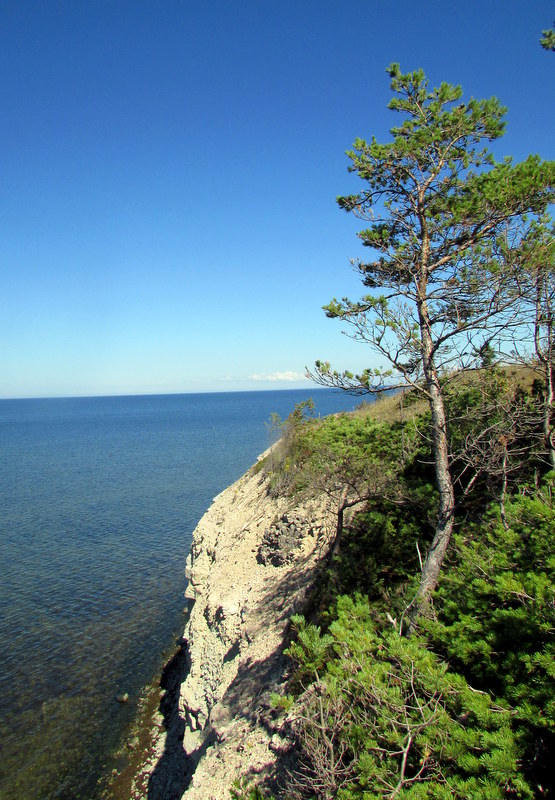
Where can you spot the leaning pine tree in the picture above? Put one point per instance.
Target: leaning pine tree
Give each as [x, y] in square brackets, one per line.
[437, 203]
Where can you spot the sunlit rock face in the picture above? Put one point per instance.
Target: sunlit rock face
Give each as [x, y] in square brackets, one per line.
[251, 564]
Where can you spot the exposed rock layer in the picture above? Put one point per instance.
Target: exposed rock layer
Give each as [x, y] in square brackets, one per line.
[252, 562]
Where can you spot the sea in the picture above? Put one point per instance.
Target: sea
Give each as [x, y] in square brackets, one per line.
[99, 497]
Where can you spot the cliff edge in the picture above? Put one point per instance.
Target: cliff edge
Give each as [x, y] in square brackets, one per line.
[251, 565]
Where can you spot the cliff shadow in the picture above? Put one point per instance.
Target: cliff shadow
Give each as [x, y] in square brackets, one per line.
[172, 773]
[249, 694]
[291, 594]
[249, 697]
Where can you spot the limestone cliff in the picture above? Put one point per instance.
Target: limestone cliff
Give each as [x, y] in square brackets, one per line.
[251, 564]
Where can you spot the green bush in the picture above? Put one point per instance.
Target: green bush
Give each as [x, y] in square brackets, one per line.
[465, 708]
[242, 789]
[384, 717]
[495, 619]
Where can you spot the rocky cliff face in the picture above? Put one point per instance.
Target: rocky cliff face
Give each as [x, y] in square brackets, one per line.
[251, 565]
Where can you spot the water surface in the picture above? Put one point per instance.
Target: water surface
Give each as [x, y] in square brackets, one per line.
[98, 501]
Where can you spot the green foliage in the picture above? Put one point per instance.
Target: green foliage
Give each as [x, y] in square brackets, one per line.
[459, 256]
[437, 204]
[242, 789]
[354, 440]
[474, 690]
[495, 433]
[285, 429]
[496, 618]
[385, 717]
[357, 452]
[309, 649]
[338, 450]
[379, 548]
[547, 40]
[285, 455]
[376, 463]
[281, 702]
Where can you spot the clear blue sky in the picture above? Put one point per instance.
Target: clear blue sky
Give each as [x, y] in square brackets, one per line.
[169, 174]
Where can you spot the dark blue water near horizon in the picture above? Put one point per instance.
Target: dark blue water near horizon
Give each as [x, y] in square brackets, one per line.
[98, 500]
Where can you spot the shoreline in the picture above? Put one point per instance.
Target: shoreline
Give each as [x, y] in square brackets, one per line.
[142, 744]
[134, 759]
[211, 704]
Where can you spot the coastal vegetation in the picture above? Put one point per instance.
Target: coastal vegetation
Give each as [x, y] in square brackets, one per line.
[424, 663]
[448, 225]
[464, 706]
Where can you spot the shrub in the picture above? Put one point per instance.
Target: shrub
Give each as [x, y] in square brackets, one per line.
[495, 619]
[384, 717]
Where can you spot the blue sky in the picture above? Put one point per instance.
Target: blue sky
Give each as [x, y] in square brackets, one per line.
[169, 174]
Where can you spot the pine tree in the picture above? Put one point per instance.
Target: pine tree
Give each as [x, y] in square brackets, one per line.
[437, 203]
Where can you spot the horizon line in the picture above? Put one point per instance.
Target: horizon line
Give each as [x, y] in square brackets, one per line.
[170, 394]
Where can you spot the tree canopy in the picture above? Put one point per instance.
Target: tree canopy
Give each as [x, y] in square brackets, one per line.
[438, 205]
[547, 40]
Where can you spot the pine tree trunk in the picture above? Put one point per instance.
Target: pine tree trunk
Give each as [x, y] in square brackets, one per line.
[440, 446]
[548, 414]
[446, 506]
[342, 505]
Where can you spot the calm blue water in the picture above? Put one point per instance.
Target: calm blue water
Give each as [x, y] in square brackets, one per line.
[98, 501]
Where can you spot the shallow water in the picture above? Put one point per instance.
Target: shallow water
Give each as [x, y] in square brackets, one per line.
[98, 501]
